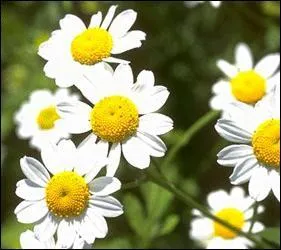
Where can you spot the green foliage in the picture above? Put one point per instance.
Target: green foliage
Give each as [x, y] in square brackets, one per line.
[271, 235]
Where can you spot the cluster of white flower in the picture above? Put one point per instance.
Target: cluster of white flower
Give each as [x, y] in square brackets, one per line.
[250, 103]
[63, 197]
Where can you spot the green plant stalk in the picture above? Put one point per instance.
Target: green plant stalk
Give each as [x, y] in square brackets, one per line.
[190, 202]
[188, 134]
[255, 207]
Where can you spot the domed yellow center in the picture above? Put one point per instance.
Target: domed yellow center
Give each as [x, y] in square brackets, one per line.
[266, 143]
[91, 46]
[47, 117]
[114, 118]
[67, 194]
[231, 215]
[248, 87]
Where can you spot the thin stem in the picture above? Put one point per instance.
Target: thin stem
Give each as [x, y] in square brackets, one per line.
[255, 207]
[135, 183]
[189, 133]
[190, 202]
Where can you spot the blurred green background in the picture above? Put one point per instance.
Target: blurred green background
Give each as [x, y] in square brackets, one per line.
[181, 49]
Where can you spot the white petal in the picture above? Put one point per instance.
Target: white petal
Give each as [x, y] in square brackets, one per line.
[152, 100]
[155, 123]
[201, 229]
[275, 183]
[106, 206]
[123, 75]
[220, 243]
[232, 154]
[259, 184]
[95, 20]
[122, 23]
[88, 230]
[104, 185]
[98, 223]
[145, 81]
[135, 152]
[130, 41]
[227, 68]
[243, 171]
[115, 60]
[72, 24]
[31, 211]
[268, 65]
[155, 146]
[46, 227]
[113, 159]
[273, 82]
[243, 57]
[79, 243]
[258, 227]
[91, 156]
[66, 234]
[49, 155]
[108, 18]
[231, 132]
[28, 190]
[218, 199]
[29, 241]
[221, 87]
[75, 117]
[67, 154]
[34, 171]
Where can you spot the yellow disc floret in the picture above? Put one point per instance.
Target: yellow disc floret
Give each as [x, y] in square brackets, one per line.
[91, 46]
[248, 87]
[231, 215]
[114, 118]
[47, 117]
[266, 143]
[67, 194]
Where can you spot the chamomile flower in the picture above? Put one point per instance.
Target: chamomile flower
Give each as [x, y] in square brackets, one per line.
[256, 156]
[36, 119]
[245, 83]
[235, 209]
[28, 240]
[122, 115]
[64, 196]
[74, 48]
[191, 4]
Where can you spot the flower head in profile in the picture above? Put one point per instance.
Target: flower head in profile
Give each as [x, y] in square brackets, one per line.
[36, 118]
[122, 115]
[256, 154]
[28, 240]
[245, 82]
[233, 208]
[74, 48]
[64, 196]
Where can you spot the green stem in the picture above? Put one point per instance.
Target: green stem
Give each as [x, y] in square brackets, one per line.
[255, 207]
[135, 183]
[190, 202]
[189, 133]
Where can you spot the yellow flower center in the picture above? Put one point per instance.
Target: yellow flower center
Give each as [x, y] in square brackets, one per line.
[47, 117]
[114, 118]
[91, 46]
[231, 215]
[248, 87]
[67, 194]
[266, 143]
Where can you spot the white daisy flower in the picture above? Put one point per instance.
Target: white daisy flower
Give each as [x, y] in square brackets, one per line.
[191, 4]
[257, 156]
[36, 119]
[74, 48]
[245, 83]
[70, 201]
[235, 209]
[28, 240]
[122, 115]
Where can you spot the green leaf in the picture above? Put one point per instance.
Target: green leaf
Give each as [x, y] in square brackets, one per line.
[134, 212]
[271, 234]
[169, 225]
